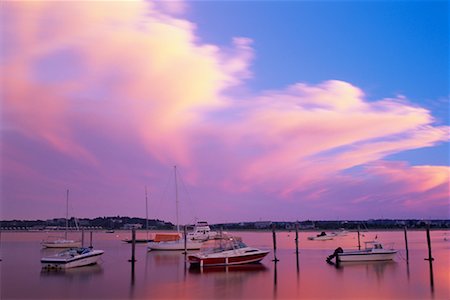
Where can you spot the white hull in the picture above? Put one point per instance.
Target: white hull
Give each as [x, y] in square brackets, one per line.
[369, 256]
[320, 238]
[73, 261]
[174, 245]
[62, 244]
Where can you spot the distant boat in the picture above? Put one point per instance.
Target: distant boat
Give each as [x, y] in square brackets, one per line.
[374, 251]
[321, 237]
[72, 258]
[63, 242]
[202, 232]
[227, 252]
[340, 232]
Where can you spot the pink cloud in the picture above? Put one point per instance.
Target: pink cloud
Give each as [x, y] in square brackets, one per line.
[125, 90]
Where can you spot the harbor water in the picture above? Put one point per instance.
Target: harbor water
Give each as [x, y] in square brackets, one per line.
[166, 275]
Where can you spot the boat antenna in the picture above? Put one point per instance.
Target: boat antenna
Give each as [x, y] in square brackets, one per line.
[146, 212]
[176, 196]
[67, 213]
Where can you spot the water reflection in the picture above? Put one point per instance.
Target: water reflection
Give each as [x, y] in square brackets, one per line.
[85, 273]
[431, 277]
[166, 275]
[249, 268]
[370, 267]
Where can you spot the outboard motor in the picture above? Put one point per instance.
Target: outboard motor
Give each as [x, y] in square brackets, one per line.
[335, 253]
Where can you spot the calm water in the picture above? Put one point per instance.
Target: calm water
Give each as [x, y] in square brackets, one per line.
[164, 275]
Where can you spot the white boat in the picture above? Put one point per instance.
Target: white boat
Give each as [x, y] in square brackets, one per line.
[231, 251]
[63, 242]
[321, 237]
[202, 232]
[176, 243]
[72, 258]
[374, 251]
[340, 232]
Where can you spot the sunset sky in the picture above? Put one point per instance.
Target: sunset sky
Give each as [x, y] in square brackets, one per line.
[272, 110]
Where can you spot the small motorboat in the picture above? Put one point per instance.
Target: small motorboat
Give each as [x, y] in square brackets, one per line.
[226, 252]
[72, 258]
[321, 237]
[374, 251]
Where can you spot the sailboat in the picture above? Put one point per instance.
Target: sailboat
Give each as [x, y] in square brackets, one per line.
[63, 242]
[146, 240]
[177, 242]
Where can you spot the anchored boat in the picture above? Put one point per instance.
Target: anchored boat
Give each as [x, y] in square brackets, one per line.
[374, 251]
[321, 237]
[230, 251]
[72, 258]
[63, 242]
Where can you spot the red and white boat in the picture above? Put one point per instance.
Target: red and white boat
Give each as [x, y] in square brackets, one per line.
[227, 252]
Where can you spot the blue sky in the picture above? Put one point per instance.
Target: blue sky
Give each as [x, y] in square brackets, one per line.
[386, 48]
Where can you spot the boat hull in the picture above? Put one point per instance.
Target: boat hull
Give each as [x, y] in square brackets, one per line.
[320, 238]
[62, 244]
[370, 256]
[174, 245]
[72, 262]
[239, 259]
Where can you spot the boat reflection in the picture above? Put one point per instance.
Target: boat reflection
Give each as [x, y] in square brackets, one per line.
[370, 267]
[225, 269]
[82, 273]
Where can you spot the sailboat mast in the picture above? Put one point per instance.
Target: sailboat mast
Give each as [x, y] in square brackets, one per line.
[67, 213]
[146, 212]
[176, 196]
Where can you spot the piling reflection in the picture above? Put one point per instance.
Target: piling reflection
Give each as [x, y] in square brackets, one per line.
[431, 277]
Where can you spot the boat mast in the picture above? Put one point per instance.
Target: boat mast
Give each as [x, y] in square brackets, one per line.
[67, 214]
[176, 196]
[146, 212]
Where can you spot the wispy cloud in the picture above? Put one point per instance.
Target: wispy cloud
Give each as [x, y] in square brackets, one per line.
[100, 81]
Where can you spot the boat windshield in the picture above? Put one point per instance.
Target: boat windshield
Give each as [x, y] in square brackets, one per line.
[230, 243]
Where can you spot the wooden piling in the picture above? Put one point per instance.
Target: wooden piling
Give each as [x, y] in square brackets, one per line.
[359, 240]
[406, 245]
[274, 238]
[430, 257]
[185, 239]
[90, 238]
[296, 238]
[133, 245]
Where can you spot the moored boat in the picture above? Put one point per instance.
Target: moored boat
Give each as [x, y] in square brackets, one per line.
[72, 258]
[61, 243]
[374, 251]
[226, 252]
[202, 232]
[321, 237]
[175, 245]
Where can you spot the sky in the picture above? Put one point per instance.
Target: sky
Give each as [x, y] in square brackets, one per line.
[271, 110]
